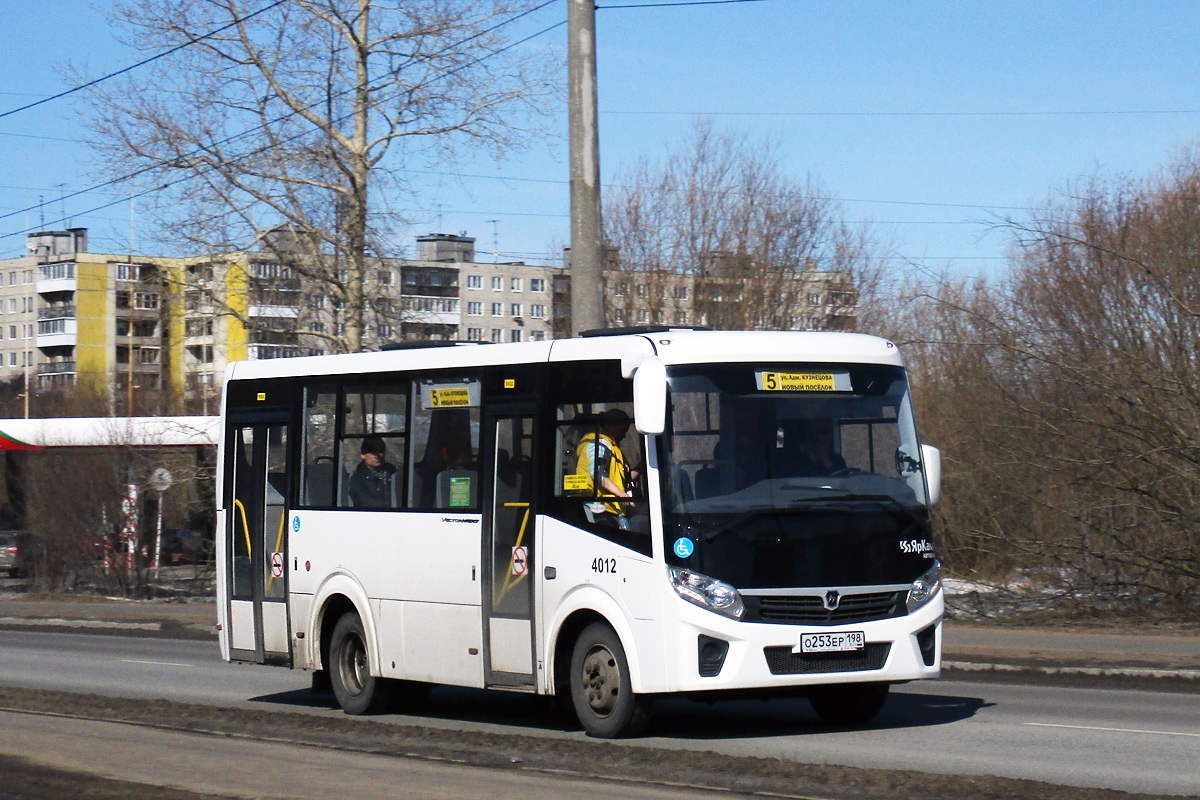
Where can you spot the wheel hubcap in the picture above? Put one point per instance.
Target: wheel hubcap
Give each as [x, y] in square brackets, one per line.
[601, 680]
[354, 664]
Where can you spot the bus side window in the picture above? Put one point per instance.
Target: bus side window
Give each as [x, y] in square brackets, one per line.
[375, 420]
[444, 456]
[317, 480]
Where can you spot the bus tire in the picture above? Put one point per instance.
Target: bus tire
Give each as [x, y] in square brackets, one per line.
[356, 689]
[850, 703]
[601, 688]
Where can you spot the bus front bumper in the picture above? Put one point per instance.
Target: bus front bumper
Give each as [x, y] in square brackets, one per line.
[716, 653]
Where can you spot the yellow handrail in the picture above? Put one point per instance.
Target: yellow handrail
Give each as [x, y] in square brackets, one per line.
[245, 525]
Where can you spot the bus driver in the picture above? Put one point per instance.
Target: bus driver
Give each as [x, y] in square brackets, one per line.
[601, 455]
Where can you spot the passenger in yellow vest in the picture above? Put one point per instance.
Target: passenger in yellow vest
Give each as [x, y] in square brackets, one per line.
[601, 455]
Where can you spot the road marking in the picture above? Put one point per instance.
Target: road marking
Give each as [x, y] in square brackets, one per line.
[1113, 730]
[153, 663]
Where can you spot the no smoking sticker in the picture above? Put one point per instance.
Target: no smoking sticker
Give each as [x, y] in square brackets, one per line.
[276, 565]
[520, 560]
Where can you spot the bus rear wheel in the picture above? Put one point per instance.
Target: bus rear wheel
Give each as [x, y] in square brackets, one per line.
[601, 688]
[356, 689]
[850, 703]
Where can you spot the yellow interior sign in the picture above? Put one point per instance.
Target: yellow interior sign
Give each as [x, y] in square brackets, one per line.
[576, 482]
[510, 383]
[798, 382]
[456, 397]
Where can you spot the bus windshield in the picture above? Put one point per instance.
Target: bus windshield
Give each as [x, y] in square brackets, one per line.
[773, 469]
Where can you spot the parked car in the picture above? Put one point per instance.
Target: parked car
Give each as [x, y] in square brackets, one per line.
[12, 555]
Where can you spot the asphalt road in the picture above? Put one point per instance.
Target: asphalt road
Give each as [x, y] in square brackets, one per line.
[237, 767]
[1129, 740]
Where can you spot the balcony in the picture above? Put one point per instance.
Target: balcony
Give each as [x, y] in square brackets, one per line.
[57, 277]
[56, 368]
[57, 312]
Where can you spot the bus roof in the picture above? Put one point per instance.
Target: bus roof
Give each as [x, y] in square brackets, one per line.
[674, 346]
[33, 434]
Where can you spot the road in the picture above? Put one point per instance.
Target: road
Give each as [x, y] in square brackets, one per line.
[1128, 740]
[236, 767]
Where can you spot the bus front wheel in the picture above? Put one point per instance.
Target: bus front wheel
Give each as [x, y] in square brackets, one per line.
[356, 689]
[849, 703]
[601, 688]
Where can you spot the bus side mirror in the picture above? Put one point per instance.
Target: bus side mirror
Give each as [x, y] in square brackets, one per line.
[650, 396]
[931, 463]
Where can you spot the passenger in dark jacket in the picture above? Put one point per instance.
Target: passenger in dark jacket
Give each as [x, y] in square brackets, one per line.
[371, 483]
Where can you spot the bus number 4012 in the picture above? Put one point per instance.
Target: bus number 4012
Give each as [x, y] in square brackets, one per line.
[604, 565]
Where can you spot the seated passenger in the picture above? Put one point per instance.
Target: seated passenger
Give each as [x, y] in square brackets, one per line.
[817, 456]
[371, 483]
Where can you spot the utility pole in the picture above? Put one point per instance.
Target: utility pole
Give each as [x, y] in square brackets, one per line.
[132, 294]
[587, 294]
[495, 223]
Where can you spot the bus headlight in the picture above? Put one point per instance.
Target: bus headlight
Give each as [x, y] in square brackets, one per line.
[925, 587]
[706, 592]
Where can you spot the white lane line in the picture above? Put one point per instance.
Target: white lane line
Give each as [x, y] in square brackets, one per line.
[153, 663]
[1113, 730]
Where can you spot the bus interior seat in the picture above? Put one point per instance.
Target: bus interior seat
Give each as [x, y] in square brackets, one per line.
[422, 484]
[683, 486]
[276, 488]
[444, 478]
[513, 471]
[708, 482]
[505, 474]
[318, 483]
[708, 477]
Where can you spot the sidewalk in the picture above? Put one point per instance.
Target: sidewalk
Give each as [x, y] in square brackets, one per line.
[1063, 651]
[965, 646]
[196, 618]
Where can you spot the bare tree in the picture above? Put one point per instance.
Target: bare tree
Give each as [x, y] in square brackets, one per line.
[1065, 395]
[761, 249]
[288, 126]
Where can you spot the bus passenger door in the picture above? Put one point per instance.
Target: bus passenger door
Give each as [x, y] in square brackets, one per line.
[509, 551]
[257, 544]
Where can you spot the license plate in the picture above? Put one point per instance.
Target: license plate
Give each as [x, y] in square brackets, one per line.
[845, 641]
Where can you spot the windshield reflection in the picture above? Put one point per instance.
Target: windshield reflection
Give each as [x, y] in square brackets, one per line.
[736, 445]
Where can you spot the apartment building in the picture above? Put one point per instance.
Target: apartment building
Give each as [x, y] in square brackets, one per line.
[71, 317]
[18, 318]
[76, 318]
[724, 291]
[283, 302]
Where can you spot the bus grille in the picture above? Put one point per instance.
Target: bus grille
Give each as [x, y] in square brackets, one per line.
[810, 610]
[782, 661]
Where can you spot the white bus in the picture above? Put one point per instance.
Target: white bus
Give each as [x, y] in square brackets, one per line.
[775, 538]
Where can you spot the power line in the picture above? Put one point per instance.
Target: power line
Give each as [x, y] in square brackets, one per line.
[560, 182]
[141, 63]
[45, 138]
[680, 3]
[812, 114]
[440, 75]
[233, 137]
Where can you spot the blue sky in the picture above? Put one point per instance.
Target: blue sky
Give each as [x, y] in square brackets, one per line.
[930, 119]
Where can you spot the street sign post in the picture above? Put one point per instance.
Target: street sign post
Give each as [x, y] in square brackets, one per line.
[160, 479]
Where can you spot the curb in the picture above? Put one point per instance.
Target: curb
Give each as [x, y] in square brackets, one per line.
[58, 622]
[1123, 672]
